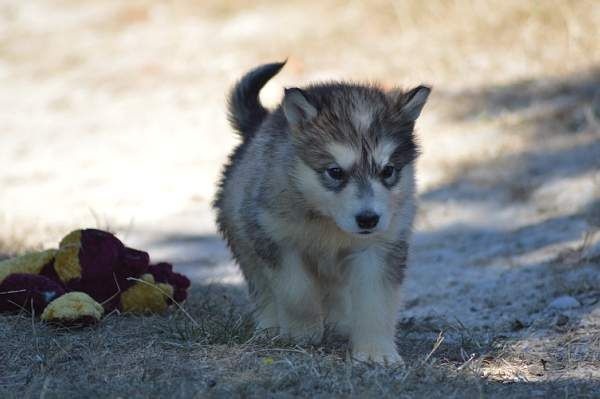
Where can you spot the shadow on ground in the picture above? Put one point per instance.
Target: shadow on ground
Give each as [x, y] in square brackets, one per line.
[545, 111]
[209, 351]
[548, 112]
[539, 101]
[534, 237]
[202, 257]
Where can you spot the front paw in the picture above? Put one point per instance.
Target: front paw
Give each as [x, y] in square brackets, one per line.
[380, 354]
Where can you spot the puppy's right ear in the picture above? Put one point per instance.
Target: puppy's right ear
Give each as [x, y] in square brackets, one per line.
[413, 101]
[297, 108]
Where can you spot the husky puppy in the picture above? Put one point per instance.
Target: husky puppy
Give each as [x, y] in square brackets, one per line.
[317, 204]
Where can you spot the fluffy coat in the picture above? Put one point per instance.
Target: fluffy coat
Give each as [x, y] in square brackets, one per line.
[317, 205]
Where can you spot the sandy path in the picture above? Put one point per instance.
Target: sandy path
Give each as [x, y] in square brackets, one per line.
[113, 117]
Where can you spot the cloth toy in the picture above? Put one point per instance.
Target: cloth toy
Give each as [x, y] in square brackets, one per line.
[91, 272]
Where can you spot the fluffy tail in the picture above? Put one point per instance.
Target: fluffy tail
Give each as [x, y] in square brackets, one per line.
[246, 113]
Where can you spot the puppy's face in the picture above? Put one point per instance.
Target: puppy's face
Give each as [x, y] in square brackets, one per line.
[353, 144]
[359, 190]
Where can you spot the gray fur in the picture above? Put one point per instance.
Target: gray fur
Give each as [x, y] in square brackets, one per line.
[396, 258]
[261, 190]
[246, 113]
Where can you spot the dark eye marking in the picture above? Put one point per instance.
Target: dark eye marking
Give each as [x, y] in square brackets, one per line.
[389, 175]
[335, 173]
[387, 172]
[333, 178]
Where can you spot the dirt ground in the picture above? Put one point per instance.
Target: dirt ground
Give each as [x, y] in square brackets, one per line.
[112, 116]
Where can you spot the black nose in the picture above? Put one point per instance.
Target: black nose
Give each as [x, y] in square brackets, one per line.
[367, 220]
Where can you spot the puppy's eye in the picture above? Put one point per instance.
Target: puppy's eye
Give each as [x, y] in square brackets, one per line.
[387, 172]
[335, 173]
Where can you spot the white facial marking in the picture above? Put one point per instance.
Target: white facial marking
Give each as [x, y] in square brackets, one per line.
[362, 119]
[382, 204]
[344, 155]
[383, 152]
[343, 206]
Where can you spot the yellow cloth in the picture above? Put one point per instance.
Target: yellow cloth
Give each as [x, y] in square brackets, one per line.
[67, 265]
[146, 296]
[72, 307]
[29, 263]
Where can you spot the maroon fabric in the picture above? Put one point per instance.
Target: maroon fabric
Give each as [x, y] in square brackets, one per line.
[99, 255]
[163, 273]
[133, 263]
[49, 271]
[106, 291]
[24, 290]
[106, 265]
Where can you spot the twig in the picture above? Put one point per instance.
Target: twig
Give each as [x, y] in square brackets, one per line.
[116, 293]
[438, 342]
[303, 352]
[467, 362]
[12, 292]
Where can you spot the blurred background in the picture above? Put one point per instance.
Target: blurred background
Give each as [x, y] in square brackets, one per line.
[112, 116]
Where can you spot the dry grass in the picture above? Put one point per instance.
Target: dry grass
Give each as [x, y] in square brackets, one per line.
[170, 356]
[110, 109]
[13, 245]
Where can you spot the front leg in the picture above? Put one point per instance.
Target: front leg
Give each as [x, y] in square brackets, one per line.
[374, 297]
[336, 304]
[297, 300]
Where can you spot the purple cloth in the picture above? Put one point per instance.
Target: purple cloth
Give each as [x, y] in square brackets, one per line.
[163, 273]
[106, 265]
[24, 291]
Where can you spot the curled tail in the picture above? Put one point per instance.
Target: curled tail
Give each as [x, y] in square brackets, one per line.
[246, 113]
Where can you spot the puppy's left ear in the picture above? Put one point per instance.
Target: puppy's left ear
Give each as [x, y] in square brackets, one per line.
[297, 107]
[411, 103]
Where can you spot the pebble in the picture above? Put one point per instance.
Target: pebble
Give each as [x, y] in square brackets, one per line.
[562, 320]
[517, 325]
[565, 302]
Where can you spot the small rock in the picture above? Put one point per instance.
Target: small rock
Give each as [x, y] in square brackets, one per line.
[590, 299]
[536, 369]
[565, 302]
[561, 320]
[517, 325]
